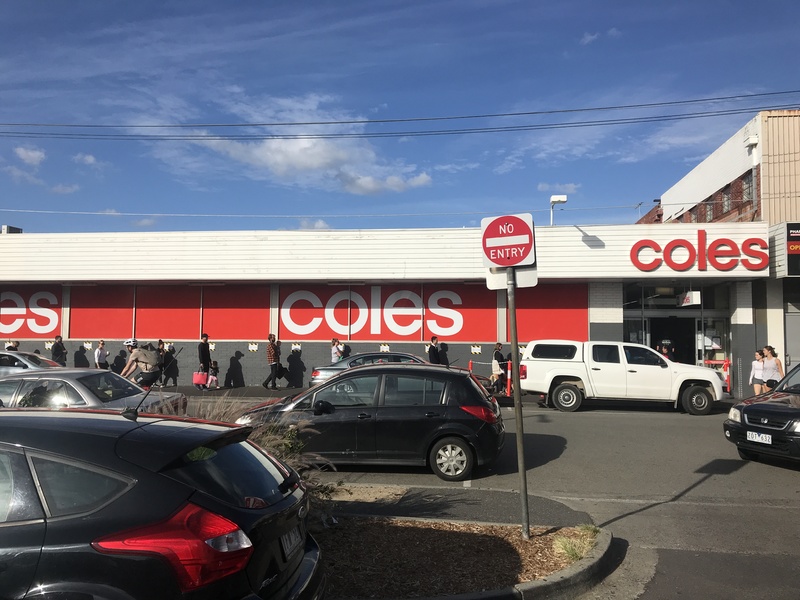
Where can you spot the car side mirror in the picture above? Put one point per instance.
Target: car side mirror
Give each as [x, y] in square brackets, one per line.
[664, 365]
[323, 407]
[2, 405]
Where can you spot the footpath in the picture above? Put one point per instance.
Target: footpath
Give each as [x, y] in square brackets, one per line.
[462, 504]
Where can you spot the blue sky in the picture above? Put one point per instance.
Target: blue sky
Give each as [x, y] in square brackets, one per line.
[341, 70]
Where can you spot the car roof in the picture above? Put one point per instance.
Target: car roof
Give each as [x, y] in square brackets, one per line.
[102, 436]
[65, 372]
[405, 367]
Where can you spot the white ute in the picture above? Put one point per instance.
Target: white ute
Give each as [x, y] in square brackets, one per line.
[567, 372]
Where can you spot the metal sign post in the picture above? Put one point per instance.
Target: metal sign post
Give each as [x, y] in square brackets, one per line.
[508, 243]
[523, 477]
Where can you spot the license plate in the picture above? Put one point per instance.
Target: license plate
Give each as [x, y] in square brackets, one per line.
[761, 438]
[291, 541]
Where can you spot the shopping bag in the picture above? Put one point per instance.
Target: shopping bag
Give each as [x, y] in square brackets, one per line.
[199, 378]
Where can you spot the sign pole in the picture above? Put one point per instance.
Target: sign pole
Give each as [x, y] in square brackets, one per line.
[523, 479]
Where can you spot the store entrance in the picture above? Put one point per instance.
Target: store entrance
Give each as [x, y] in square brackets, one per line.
[679, 331]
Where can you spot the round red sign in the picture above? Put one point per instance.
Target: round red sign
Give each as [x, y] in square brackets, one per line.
[508, 242]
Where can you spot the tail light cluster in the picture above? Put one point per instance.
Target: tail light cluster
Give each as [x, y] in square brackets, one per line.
[523, 372]
[200, 546]
[484, 413]
[314, 373]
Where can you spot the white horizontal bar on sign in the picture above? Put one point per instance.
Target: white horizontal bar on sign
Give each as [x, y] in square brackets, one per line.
[507, 241]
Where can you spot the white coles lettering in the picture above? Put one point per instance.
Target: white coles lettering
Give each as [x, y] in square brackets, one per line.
[49, 315]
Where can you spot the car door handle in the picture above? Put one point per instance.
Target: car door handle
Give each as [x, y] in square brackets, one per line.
[595, 368]
[431, 414]
[632, 371]
[364, 416]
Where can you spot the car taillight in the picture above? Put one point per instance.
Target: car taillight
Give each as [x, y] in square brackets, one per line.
[482, 412]
[314, 373]
[201, 546]
[523, 372]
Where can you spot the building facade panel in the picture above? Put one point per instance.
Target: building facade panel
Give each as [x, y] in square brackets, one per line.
[781, 166]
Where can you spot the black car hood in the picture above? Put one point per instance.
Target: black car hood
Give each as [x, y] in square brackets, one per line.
[156, 444]
[778, 402]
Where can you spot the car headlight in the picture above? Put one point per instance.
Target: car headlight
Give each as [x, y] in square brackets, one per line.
[734, 414]
[244, 420]
[796, 427]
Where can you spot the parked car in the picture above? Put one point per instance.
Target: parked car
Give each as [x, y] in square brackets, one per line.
[85, 388]
[768, 424]
[320, 374]
[15, 362]
[94, 505]
[395, 414]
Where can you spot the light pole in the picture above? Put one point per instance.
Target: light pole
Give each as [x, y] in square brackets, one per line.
[559, 199]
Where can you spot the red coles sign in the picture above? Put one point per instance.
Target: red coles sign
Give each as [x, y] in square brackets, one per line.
[721, 254]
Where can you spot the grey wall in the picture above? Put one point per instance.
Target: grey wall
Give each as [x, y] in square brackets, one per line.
[612, 332]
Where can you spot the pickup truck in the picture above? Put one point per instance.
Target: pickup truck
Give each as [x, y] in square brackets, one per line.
[567, 372]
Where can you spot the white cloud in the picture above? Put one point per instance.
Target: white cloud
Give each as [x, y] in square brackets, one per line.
[62, 188]
[613, 32]
[562, 188]
[457, 167]
[313, 224]
[88, 160]
[144, 223]
[20, 176]
[364, 185]
[32, 157]
[588, 38]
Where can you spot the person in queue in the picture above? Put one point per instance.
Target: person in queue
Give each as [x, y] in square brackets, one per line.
[757, 372]
[773, 369]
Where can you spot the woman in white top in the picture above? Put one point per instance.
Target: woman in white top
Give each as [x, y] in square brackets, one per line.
[757, 373]
[336, 351]
[773, 369]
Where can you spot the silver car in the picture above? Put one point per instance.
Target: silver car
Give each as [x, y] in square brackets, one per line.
[81, 388]
[320, 374]
[16, 362]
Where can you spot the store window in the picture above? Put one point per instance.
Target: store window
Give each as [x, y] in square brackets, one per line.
[747, 187]
[726, 199]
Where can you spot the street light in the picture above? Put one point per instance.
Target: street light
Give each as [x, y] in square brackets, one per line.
[559, 199]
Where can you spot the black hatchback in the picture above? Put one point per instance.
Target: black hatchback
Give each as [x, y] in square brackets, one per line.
[94, 505]
[395, 414]
[768, 424]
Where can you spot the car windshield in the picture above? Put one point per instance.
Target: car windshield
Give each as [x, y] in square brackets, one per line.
[41, 361]
[790, 383]
[107, 386]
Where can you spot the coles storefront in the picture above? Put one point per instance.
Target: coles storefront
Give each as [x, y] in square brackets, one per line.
[691, 284]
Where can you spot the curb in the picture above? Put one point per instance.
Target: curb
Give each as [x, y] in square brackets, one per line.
[567, 584]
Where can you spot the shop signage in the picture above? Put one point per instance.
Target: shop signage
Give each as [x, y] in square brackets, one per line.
[508, 241]
[721, 254]
[29, 314]
[793, 249]
[689, 299]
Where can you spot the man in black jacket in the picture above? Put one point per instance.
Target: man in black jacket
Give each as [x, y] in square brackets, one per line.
[204, 356]
[59, 352]
[433, 351]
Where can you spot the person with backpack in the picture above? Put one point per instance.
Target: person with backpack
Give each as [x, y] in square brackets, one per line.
[144, 358]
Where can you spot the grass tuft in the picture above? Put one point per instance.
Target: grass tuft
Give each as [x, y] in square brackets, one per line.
[578, 546]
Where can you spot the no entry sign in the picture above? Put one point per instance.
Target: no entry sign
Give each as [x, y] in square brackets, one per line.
[508, 241]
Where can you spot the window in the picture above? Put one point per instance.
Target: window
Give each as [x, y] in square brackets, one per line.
[558, 351]
[605, 353]
[747, 187]
[726, 199]
[408, 390]
[48, 393]
[642, 356]
[9, 361]
[239, 473]
[7, 389]
[18, 498]
[107, 386]
[709, 212]
[353, 391]
[72, 488]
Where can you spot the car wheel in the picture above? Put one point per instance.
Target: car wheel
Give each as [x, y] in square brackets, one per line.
[566, 397]
[747, 455]
[451, 459]
[697, 400]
